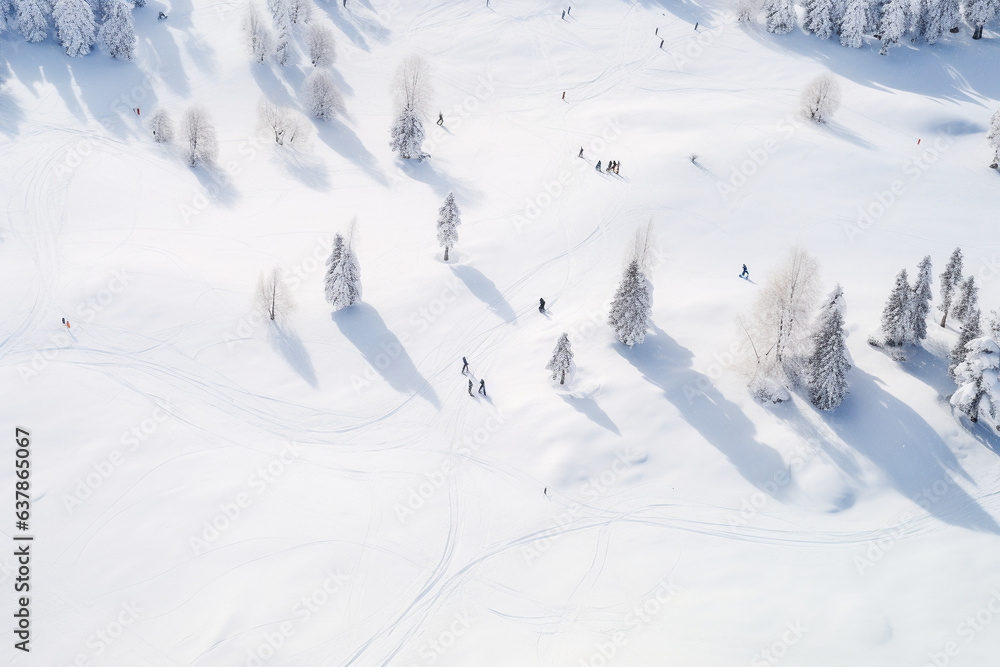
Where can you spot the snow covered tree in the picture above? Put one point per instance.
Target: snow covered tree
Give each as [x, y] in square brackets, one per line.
[819, 18]
[993, 137]
[920, 301]
[343, 287]
[827, 366]
[895, 330]
[284, 123]
[968, 300]
[161, 126]
[280, 14]
[971, 329]
[75, 27]
[32, 21]
[852, 28]
[299, 11]
[821, 98]
[449, 218]
[979, 13]
[260, 39]
[779, 16]
[893, 23]
[118, 30]
[408, 136]
[978, 379]
[933, 20]
[631, 305]
[321, 44]
[412, 90]
[561, 363]
[273, 296]
[778, 328]
[321, 95]
[333, 262]
[201, 146]
[951, 280]
[951, 15]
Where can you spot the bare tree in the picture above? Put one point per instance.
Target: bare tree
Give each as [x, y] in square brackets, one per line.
[201, 146]
[273, 296]
[260, 39]
[821, 98]
[161, 126]
[322, 97]
[413, 87]
[299, 11]
[285, 124]
[321, 44]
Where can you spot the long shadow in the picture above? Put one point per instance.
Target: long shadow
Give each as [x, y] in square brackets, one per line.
[309, 170]
[160, 47]
[217, 184]
[910, 453]
[666, 364]
[834, 128]
[112, 105]
[333, 10]
[11, 115]
[425, 172]
[589, 407]
[346, 143]
[929, 368]
[288, 343]
[363, 326]
[486, 291]
[44, 62]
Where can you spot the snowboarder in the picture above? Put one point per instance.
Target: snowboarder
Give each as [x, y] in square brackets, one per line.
[440, 118]
[569, 10]
[161, 16]
[482, 387]
[541, 305]
[465, 366]
[470, 389]
[745, 274]
[598, 165]
[581, 152]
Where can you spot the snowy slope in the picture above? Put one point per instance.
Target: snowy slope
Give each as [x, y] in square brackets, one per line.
[367, 511]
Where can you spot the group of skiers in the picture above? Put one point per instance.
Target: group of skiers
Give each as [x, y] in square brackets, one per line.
[612, 167]
[482, 383]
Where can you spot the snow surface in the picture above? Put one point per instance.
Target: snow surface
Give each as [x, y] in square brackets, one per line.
[872, 531]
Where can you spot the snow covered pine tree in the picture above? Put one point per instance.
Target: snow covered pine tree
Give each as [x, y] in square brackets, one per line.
[819, 18]
[920, 301]
[894, 331]
[779, 16]
[893, 23]
[413, 97]
[75, 27]
[449, 218]
[971, 329]
[333, 261]
[827, 366]
[32, 22]
[978, 390]
[118, 29]
[343, 281]
[993, 137]
[951, 279]
[631, 305]
[852, 28]
[561, 363]
[968, 300]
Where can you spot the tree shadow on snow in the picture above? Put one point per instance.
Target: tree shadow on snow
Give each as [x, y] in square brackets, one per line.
[334, 9]
[363, 326]
[425, 172]
[929, 368]
[309, 170]
[160, 45]
[908, 451]
[346, 143]
[588, 407]
[666, 364]
[835, 129]
[217, 184]
[486, 291]
[288, 343]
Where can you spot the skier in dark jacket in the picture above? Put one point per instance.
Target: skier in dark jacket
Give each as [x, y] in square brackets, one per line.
[482, 387]
[541, 305]
[598, 165]
[745, 274]
[465, 366]
[470, 388]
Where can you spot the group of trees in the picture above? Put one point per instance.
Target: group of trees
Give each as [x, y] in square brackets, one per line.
[76, 24]
[904, 318]
[886, 20]
[197, 134]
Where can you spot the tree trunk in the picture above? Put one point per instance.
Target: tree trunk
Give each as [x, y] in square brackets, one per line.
[446, 253]
[943, 319]
[562, 380]
[978, 34]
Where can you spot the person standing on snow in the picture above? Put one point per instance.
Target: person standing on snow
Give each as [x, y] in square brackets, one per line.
[465, 366]
[745, 274]
[581, 152]
[482, 387]
[440, 118]
[598, 165]
[470, 389]
[541, 305]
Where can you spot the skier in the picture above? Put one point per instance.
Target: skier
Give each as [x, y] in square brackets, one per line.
[482, 387]
[440, 118]
[161, 16]
[581, 152]
[67, 324]
[745, 274]
[657, 33]
[661, 43]
[617, 164]
[598, 165]
[564, 15]
[541, 305]
[64, 320]
[564, 94]
[695, 25]
[569, 10]
[465, 366]
[470, 389]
